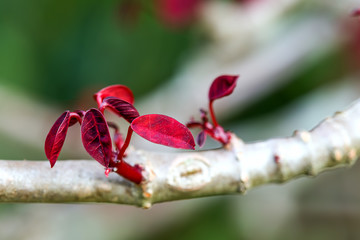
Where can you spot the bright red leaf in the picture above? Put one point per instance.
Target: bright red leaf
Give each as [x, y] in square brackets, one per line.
[120, 107]
[96, 137]
[119, 91]
[163, 130]
[56, 136]
[222, 86]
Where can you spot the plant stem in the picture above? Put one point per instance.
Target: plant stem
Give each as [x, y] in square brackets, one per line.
[129, 172]
[212, 114]
[236, 168]
[126, 143]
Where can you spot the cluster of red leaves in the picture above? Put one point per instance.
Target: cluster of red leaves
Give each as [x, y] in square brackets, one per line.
[96, 137]
[222, 86]
[155, 128]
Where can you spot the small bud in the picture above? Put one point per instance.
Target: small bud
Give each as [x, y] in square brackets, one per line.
[107, 171]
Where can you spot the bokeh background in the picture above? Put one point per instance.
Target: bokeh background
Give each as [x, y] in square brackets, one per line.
[298, 62]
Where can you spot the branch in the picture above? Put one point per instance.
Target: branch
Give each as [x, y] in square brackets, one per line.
[170, 176]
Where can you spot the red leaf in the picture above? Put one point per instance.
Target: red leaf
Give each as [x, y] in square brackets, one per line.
[163, 130]
[178, 13]
[201, 138]
[96, 137]
[120, 107]
[56, 137]
[75, 117]
[119, 91]
[222, 86]
[356, 13]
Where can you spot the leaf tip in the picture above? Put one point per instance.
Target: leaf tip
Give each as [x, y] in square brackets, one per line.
[56, 137]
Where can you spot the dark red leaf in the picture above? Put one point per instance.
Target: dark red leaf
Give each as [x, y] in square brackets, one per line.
[119, 91]
[56, 137]
[163, 130]
[120, 107]
[201, 138]
[222, 86]
[75, 117]
[356, 13]
[96, 137]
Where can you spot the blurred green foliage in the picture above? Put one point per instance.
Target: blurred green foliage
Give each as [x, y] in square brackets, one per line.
[213, 221]
[13, 150]
[56, 49]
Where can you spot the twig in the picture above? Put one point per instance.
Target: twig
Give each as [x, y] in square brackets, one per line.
[170, 176]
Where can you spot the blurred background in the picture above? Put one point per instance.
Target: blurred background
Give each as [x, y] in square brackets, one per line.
[298, 62]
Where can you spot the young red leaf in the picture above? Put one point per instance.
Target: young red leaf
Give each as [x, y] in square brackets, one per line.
[222, 86]
[201, 138]
[120, 107]
[119, 91]
[75, 117]
[56, 137]
[96, 137]
[163, 130]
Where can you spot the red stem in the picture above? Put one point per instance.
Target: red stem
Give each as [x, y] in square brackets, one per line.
[212, 114]
[126, 143]
[132, 173]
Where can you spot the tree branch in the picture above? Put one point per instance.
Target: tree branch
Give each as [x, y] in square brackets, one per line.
[171, 176]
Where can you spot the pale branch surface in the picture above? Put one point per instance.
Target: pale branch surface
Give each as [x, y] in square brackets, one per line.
[171, 176]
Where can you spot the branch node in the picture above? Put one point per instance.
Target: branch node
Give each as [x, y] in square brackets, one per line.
[146, 205]
[236, 145]
[337, 155]
[305, 136]
[352, 156]
[277, 161]
[146, 187]
[244, 184]
[189, 173]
